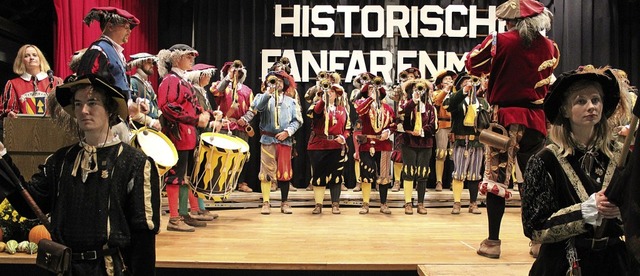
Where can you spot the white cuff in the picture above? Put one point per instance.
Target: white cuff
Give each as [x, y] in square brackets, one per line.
[590, 211]
[343, 139]
[3, 152]
[289, 131]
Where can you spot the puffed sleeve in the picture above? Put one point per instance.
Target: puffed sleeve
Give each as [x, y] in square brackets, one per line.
[144, 197]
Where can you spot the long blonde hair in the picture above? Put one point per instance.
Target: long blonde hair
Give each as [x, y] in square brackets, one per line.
[561, 134]
[18, 64]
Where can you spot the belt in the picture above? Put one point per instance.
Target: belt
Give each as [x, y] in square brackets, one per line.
[93, 254]
[597, 244]
[328, 137]
[270, 134]
[465, 137]
[371, 136]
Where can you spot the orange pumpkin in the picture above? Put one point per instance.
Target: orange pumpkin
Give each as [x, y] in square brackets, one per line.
[37, 233]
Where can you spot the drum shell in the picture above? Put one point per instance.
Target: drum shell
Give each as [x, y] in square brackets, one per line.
[157, 146]
[490, 137]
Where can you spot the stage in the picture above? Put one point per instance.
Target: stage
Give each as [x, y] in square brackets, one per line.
[243, 241]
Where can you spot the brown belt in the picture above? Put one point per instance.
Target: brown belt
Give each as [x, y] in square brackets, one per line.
[465, 137]
[371, 136]
[328, 137]
[270, 134]
[597, 244]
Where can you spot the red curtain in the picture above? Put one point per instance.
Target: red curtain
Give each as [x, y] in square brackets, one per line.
[72, 34]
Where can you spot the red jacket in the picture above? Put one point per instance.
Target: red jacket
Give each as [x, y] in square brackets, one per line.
[367, 114]
[16, 99]
[179, 106]
[519, 76]
[318, 139]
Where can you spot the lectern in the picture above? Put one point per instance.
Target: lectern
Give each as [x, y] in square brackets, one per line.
[29, 139]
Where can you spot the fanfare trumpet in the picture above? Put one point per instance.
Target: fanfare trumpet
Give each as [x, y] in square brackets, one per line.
[237, 66]
[271, 84]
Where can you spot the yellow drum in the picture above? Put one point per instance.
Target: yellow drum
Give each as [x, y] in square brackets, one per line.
[157, 146]
[216, 165]
[239, 164]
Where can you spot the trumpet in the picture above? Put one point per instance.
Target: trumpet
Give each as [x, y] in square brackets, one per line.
[322, 75]
[271, 83]
[476, 81]
[377, 82]
[237, 65]
[365, 78]
[421, 88]
[403, 76]
[325, 85]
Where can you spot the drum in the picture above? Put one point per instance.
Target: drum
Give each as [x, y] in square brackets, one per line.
[157, 146]
[239, 165]
[217, 161]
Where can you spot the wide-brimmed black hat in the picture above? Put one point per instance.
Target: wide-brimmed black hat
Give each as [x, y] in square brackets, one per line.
[611, 90]
[460, 79]
[441, 74]
[66, 100]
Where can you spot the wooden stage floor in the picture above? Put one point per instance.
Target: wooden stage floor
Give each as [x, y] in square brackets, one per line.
[243, 242]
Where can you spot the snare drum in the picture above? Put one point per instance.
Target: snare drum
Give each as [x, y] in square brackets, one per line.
[215, 167]
[157, 146]
[239, 164]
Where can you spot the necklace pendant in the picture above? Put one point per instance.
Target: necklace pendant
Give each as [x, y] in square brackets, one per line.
[105, 174]
[85, 174]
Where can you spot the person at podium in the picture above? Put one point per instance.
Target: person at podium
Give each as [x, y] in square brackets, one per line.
[27, 93]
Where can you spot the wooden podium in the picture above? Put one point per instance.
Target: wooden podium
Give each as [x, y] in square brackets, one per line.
[31, 139]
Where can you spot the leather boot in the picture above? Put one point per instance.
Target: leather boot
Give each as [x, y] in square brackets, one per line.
[318, 209]
[266, 208]
[534, 249]
[364, 209]
[285, 208]
[421, 209]
[292, 188]
[177, 224]
[396, 186]
[358, 187]
[385, 209]
[473, 208]
[490, 248]
[439, 186]
[193, 222]
[343, 187]
[310, 187]
[408, 208]
[244, 187]
[335, 208]
[201, 216]
[456, 208]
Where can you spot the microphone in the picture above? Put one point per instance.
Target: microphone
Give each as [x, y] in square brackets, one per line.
[50, 75]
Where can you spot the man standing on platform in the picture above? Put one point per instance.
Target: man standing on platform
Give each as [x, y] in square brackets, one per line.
[280, 118]
[105, 58]
[234, 100]
[142, 90]
[444, 83]
[520, 63]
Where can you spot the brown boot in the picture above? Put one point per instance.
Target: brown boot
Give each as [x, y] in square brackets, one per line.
[177, 224]
[201, 216]
[456, 208]
[292, 188]
[473, 208]
[335, 208]
[343, 187]
[318, 209]
[266, 208]
[534, 249]
[309, 188]
[385, 209]
[490, 248]
[396, 186]
[358, 187]
[439, 186]
[408, 208]
[206, 212]
[193, 222]
[285, 208]
[421, 209]
[364, 209]
[244, 187]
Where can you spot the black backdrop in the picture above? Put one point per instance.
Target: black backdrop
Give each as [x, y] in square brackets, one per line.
[587, 32]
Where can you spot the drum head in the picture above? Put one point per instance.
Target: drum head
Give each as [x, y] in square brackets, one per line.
[157, 146]
[244, 147]
[219, 140]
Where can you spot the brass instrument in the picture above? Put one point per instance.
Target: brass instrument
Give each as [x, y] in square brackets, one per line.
[403, 76]
[325, 85]
[271, 83]
[237, 65]
[322, 75]
[377, 83]
[365, 78]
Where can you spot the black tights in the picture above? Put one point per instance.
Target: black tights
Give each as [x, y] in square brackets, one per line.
[422, 189]
[383, 192]
[284, 190]
[472, 185]
[495, 211]
[335, 192]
